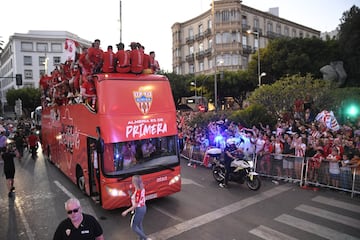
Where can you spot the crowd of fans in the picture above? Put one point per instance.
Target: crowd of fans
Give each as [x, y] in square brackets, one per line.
[282, 150]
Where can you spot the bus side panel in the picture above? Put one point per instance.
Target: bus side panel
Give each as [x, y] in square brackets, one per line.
[64, 130]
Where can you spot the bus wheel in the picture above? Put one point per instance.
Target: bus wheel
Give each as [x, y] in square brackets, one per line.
[48, 154]
[81, 181]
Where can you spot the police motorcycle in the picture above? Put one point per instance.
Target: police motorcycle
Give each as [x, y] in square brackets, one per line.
[242, 170]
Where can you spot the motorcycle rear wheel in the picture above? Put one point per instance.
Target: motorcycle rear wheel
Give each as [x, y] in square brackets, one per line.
[218, 174]
[254, 184]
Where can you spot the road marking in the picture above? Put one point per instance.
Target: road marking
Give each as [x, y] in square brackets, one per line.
[167, 214]
[314, 228]
[329, 215]
[214, 215]
[270, 234]
[84, 203]
[29, 233]
[336, 203]
[189, 181]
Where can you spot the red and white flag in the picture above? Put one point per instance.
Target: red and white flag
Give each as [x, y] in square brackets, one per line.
[70, 49]
[328, 118]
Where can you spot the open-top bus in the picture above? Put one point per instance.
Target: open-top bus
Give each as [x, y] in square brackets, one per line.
[101, 148]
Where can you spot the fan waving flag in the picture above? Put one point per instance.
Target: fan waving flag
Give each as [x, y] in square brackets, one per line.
[70, 49]
[328, 118]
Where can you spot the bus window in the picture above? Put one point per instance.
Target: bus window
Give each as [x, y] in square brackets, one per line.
[131, 156]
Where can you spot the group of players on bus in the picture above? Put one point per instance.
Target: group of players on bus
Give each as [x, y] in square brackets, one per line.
[71, 82]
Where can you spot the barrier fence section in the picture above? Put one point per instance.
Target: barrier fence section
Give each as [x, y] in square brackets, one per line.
[289, 168]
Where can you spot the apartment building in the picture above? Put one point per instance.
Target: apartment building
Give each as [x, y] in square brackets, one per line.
[225, 36]
[31, 55]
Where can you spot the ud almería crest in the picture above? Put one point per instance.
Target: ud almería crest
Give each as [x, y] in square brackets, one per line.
[143, 100]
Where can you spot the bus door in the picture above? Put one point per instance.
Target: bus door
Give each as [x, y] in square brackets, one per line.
[94, 171]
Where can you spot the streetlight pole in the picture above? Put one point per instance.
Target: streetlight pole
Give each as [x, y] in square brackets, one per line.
[258, 50]
[258, 54]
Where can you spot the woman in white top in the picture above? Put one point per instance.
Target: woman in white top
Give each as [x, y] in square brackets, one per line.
[138, 206]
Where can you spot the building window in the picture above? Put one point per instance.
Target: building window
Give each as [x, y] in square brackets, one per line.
[56, 47]
[210, 44]
[211, 63]
[28, 74]
[256, 23]
[41, 47]
[57, 60]
[191, 68]
[42, 61]
[201, 66]
[209, 24]
[301, 34]
[244, 62]
[191, 49]
[191, 32]
[293, 34]
[201, 46]
[226, 37]
[278, 29]
[269, 27]
[286, 31]
[201, 30]
[26, 46]
[27, 60]
[41, 72]
[244, 40]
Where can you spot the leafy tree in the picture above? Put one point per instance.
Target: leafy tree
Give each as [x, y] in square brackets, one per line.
[280, 96]
[288, 56]
[349, 38]
[253, 115]
[180, 85]
[30, 98]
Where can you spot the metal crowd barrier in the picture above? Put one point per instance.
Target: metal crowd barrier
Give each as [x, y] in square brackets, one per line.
[288, 168]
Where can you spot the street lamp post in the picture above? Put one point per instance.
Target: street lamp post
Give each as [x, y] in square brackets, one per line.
[258, 56]
[263, 74]
[194, 84]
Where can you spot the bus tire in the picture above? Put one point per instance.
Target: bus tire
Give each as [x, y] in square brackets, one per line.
[80, 180]
[48, 154]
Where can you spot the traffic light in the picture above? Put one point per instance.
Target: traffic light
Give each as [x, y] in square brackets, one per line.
[352, 110]
[18, 79]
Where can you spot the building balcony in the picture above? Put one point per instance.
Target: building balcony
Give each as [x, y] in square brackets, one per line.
[190, 40]
[245, 27]
[199, 36]
[247, 49]
[228, 26]
[190, 58]
[226, 47]
[256, 29]
[208, 52]
[272, 35]
[200, 55]
[208, 32]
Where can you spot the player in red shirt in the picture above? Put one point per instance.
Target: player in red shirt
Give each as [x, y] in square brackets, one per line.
[136, 59]
[154, 64]
[122, 59]
[95, 56]
[108, 60]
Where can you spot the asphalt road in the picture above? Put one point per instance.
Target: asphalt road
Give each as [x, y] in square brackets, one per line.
[202, 210]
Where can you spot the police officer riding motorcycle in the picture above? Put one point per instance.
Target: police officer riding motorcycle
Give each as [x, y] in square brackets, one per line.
[235, 167]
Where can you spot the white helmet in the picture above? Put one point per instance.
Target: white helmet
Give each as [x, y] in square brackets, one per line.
[231, 141]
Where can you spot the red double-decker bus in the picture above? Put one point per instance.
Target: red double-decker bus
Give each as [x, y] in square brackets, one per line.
[132, 130]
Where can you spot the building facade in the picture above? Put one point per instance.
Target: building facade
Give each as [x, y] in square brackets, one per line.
[31, 55]
[225, 36]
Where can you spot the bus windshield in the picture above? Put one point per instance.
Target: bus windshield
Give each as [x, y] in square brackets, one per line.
[132, 156]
